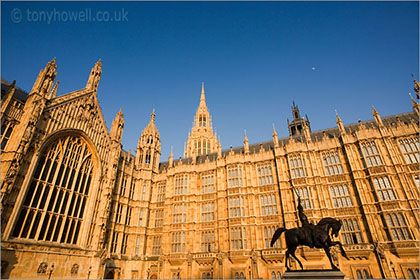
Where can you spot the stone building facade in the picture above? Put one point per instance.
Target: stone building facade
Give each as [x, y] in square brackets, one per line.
[76, 205]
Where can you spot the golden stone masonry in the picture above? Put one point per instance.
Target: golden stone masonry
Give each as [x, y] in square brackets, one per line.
[76, 205]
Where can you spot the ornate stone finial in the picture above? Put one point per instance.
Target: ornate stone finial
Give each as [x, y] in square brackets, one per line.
[416, 86]
[339, 123]
[54, 90]
[275, 138]
[415, 104]
[246, 145]
[377, 117]
[95, 76]
[153, 115]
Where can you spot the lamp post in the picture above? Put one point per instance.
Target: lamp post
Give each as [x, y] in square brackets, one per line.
[51, 271]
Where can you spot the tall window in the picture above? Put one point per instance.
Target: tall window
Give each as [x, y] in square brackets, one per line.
[410, 149]
[157, 241]
[56, 199]
[398, 227]
[297, 167]
[268, 204]
[350, 232]
[181, 184]
[332, 163]
[123, 184]
[128, 216]
[6, 130]
[268, 235]
[148, 158]
[265, 175]
[384, 189]
[340, 196]
[143, 193]
[207, 184]
[114, 242]
[136, 252]
[159, 218]
[239, 275]
[178, 242]
[207, 241]
[132, 189]
[234, 177]
[236, 207]
[180, 213]
[202, 121]
[238, 238]
[305, 197]
[118, 213]
[207, 212]
[124, 244]
[371, 154]
[161, 192]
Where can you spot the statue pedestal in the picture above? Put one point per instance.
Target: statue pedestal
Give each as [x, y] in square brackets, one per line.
[313, 274]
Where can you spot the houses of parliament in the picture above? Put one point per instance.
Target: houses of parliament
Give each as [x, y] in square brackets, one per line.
[76, 205]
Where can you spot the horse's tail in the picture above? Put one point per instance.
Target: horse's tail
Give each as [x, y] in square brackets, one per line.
[276, 235]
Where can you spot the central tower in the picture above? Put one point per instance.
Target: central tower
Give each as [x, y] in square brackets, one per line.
[201, 140]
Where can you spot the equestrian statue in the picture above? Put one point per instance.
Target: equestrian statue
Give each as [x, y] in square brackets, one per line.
[311, 235]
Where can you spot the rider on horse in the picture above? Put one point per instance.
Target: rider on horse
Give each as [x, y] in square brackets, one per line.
[308, 228]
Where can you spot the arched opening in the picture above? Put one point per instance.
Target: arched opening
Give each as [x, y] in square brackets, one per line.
[110, 274]
[55, 203]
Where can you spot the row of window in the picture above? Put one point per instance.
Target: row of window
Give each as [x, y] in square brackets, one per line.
[350, 234]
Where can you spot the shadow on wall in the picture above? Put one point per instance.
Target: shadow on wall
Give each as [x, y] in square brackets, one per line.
[8, 262]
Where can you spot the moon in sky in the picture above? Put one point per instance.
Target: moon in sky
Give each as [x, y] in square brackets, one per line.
[313, 68]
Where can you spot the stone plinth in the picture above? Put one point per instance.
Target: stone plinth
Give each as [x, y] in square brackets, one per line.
[313, 274]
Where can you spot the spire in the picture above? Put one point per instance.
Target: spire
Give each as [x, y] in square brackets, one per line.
[377, 117]
[275, 138]
[415, 104]
[171, 158]
[416, 87]
[45, 79]
[340, 123]
[53, 93]
[202, 97]
[117, 126]
[95, 76]
[246, 145]
[201, 140]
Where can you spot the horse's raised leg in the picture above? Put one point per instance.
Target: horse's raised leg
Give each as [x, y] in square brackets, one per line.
[333, 243]
[293, 254]
[327, 251]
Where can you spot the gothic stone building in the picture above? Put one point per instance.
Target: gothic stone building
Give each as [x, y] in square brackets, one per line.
[76, 205]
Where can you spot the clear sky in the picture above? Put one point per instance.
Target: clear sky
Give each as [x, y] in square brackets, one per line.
[255, 58]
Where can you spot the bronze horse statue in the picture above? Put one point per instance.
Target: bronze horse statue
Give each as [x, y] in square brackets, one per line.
[310, 235]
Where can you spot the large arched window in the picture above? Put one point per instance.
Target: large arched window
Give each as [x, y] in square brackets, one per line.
[56, 200]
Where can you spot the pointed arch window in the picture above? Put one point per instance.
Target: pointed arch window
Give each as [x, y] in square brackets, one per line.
[56, 200]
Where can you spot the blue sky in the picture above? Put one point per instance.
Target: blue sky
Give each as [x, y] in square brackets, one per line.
[255, 58]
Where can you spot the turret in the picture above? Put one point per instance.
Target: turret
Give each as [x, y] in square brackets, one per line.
[340, 124]
[117, 127]
[148, 148]
[377, 117]
[95, 76]
[298, 126]
[415, 104]
[171, 158]
[275, 138]
[201, 140]
[45, 79]
[246, 145]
